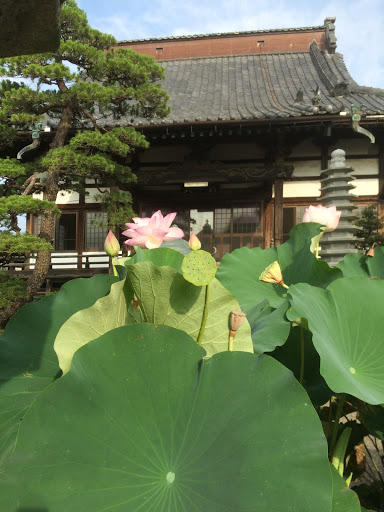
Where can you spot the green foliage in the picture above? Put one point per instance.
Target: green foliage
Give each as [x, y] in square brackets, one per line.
[11, 289]
[152, 387]
[117, 205]
[16, 246]
[17, 205]
[28, 363]
[12, 168]
[369, 225]
[86, 90]
[167, 423]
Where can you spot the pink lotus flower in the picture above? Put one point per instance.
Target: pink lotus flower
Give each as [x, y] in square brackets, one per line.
[152, 232]
[326, 216]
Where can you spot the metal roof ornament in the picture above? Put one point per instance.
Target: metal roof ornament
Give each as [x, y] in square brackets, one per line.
[356, 118]
[35, 138]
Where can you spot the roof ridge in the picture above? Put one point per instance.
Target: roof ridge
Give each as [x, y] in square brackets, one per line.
[232, 55]
[221, 34]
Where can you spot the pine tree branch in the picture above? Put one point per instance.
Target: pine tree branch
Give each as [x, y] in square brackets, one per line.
[92, 119]
[29, 185]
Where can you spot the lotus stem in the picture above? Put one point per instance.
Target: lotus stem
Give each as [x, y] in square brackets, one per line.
[230, 345]
[302, 362]
[205, 313]
[336, 424]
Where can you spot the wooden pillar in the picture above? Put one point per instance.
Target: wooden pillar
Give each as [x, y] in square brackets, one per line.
[268, 224]
[278, 211]
[80, 230]
[324, 154]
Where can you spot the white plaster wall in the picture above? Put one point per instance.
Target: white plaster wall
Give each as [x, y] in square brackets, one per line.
[307, 169]
[301, 189]
[368, 187]
[364, 166]
[67, 197]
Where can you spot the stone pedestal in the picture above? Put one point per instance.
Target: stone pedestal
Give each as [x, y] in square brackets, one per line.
[335, 191]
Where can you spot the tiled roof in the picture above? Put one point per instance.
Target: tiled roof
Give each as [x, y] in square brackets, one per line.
[263, 86]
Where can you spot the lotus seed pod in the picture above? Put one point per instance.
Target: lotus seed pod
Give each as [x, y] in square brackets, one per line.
[199, 268]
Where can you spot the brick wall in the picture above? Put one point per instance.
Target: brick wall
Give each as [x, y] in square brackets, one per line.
[229, 45]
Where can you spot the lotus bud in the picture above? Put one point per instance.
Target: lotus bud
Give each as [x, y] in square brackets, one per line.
[111, 245]
[135, 301]
[371, 251]
[237, 318]
[272, 274]
[194, 243]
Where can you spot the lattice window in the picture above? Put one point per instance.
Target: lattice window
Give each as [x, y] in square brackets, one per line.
[95, 231]
[247, 220]
[222, 220]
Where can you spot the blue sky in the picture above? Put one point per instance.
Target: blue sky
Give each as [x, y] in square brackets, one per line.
[359, 23]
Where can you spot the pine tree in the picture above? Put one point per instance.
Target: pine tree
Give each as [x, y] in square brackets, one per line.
[80, 85]
[369, 225]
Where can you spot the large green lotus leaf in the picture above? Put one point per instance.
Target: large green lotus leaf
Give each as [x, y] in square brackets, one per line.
[165, 297]
[290, 356]
[348, 333]
[354, 265]
[239, 271]
[141, 423]
[28, 362]
[269, 327]
[105, 314]
[344, 499]
[375, 264]
[161, 257]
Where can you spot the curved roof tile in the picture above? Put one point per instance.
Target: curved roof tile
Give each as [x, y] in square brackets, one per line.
[263, 86]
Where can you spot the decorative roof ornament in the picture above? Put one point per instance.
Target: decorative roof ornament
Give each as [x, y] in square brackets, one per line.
[299, 96]
[356, 118]
[316, 100]
[341, 89]
[330, 34]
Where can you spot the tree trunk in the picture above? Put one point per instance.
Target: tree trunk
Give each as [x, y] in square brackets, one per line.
[47, 232]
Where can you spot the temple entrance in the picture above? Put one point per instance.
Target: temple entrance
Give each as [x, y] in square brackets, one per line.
[220, 230]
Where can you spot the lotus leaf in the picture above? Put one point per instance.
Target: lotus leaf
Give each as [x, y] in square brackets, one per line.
[165, 297]
[141, 423]
[28, 362]
[239, 271]
[347, 334]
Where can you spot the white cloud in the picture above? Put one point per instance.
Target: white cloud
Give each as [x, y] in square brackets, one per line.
[359, 23]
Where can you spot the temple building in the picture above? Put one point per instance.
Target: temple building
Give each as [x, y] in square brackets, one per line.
[254, 119]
